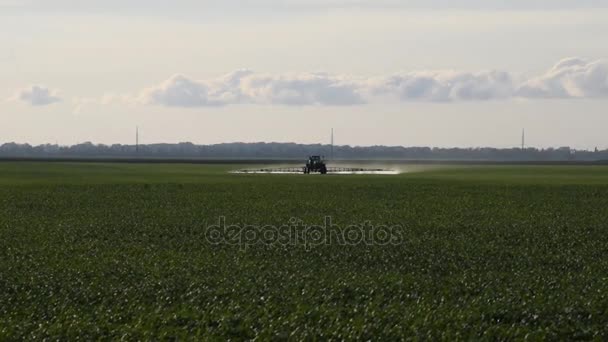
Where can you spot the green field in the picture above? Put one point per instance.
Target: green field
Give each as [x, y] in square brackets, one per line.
[110, 251]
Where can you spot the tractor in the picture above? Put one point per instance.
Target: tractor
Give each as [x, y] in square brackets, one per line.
[315, 164]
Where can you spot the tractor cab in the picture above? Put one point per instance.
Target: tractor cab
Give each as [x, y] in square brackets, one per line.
[315, 164]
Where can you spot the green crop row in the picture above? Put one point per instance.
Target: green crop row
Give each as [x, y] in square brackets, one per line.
[111, 251]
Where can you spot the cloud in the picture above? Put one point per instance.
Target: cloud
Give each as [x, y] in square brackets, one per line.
[302, 89]
[569, 78]
[37, 95]
[81, 103]
[322, 89]
[180, 91]
[244, 86]
[445, 86]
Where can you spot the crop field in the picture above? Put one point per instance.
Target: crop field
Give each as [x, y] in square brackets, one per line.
[124, 251]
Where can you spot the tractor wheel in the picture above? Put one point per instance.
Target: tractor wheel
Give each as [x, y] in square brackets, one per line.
[324, 171]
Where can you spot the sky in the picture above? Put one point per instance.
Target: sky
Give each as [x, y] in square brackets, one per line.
[465, 73]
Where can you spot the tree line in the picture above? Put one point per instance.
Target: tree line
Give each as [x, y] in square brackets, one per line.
[295, 151]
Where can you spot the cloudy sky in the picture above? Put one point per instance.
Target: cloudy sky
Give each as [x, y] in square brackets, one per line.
[433, 72]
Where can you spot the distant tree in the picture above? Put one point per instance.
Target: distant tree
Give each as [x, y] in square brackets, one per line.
[297, 151]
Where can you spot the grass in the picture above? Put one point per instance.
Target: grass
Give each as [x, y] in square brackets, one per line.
[110, 251]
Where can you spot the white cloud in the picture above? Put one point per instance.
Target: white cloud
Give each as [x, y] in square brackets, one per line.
[37, 95]
[569, 78]
[180, 91]
[438, 86]
[244, 86]
[302, 89]
[81, 103]
[321, 89]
